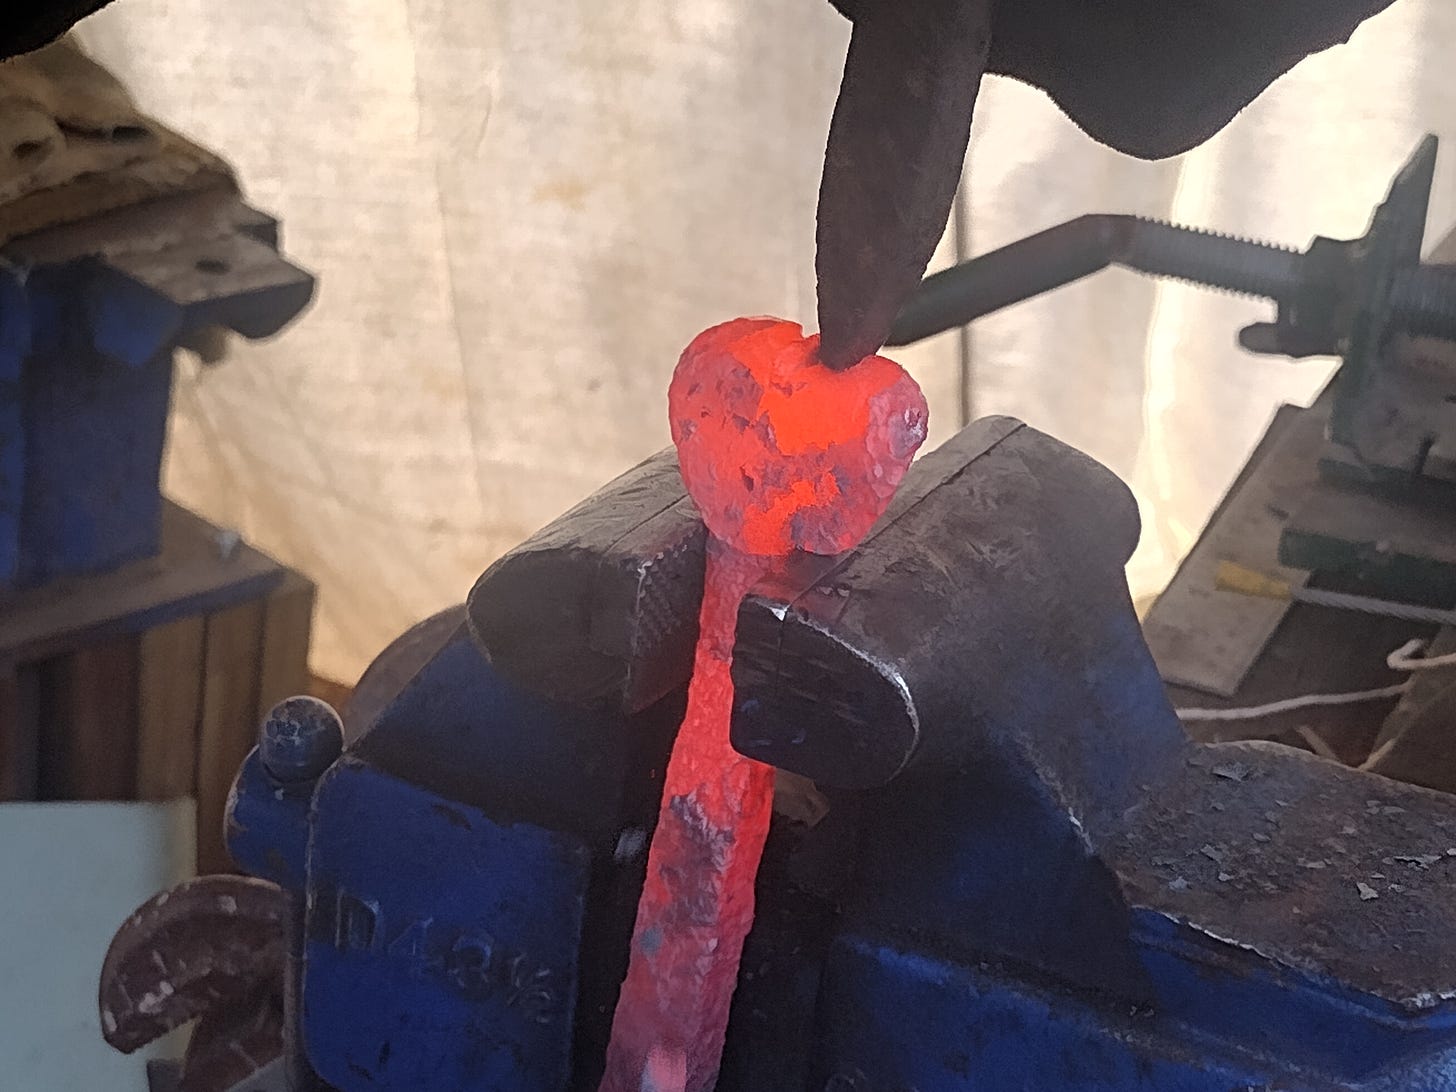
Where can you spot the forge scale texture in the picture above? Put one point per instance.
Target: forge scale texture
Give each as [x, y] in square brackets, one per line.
[780, 454]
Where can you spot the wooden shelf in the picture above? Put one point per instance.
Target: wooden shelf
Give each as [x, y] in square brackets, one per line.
[150, 682]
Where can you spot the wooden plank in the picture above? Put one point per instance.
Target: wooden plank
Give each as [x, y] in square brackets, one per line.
[1206, 639]
[232, 655]
[1402, 544]
[169, 705]
[1219, 649]
[19, 732]
[88, 718]
[191, 575]
[287, 626]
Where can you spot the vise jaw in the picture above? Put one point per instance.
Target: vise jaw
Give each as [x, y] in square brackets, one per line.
[1027, 876]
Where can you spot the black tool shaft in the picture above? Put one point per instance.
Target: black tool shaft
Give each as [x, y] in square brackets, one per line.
[1087, 245]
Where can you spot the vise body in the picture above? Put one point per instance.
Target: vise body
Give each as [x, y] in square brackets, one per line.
[1020, 873]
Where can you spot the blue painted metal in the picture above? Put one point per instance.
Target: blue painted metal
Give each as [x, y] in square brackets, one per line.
[915, 992]
[127, 322]
[904, 1020]
[442, 947]
[488, 790]
[267, 826]
[268, 806]
[81, 432]
[94, 434]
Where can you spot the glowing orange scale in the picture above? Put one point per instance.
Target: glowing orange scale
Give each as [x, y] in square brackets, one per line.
[779, 453]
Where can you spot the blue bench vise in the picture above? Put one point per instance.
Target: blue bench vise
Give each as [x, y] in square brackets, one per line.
[1019, 873]
[90, 313]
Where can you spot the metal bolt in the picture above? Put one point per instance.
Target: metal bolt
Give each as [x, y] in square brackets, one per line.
[301, 738]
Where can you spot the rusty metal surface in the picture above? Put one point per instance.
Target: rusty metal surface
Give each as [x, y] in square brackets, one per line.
[896, 145]
[233, 1044]
[202, 947]
[1294, 886]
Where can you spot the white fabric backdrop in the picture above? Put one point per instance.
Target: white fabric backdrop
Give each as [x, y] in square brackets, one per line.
[521, 210]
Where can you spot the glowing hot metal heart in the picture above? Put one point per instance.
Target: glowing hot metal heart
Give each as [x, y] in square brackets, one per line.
[779, 453]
